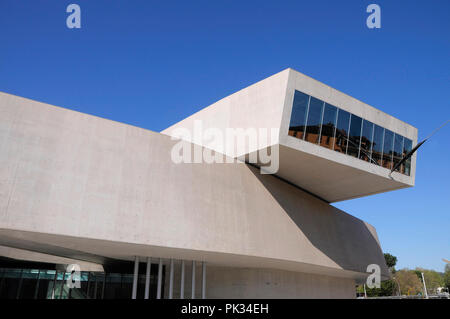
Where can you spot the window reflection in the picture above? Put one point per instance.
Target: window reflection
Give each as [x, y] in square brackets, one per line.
[398, 151]
[328, 126]
[340, 144]
[407, 146]
[365, 152]
[321, 123]
[388, 148]
[377, 146]
[298, 117]
[313, 120]
[354, 136]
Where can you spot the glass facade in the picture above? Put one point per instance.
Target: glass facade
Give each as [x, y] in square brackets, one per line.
[377, 148]
[365, 151]
[354, 138]
[407, 146]
[313, 120]
[342, 126]
[388, 148]
[328, 126]
[16, 283]
[321, 123]
[298, 117]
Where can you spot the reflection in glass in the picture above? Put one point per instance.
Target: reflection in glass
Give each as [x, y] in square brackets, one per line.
[314, 119]
[407, 146]
[355, 135]
[365, 152]
[377, 146]
[321, 123]
[340, 144]
[298, 117]
[398, 151]
[388, 148]
[328, 126]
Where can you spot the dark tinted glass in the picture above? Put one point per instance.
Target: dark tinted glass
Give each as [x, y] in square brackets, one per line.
[328, 126]
[398, 151]
[407, 146]
[298, 117]
[340, 144]
[366, 142]
[388, 148]
[314, 119]
[377, 146]
[318, 122]
[355, 135]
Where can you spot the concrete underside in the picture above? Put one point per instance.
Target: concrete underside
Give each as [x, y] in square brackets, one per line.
[85, 188]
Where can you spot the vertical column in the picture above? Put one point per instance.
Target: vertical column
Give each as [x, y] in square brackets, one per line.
[89, 285]
[171, 280]
[20, 284]
[104, 285]
[193, 280]
[203, 280]
[62, 285]
[158, 293]
[54, 284]
[36, 289]
[182, 280]
[135, 277]
[147, 278]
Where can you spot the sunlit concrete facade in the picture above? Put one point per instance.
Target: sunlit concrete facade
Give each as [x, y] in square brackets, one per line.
[79, 187]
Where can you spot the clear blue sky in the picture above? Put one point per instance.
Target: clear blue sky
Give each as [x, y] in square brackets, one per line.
[152, 63]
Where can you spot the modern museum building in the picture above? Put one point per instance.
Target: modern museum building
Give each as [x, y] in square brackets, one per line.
[109, 200]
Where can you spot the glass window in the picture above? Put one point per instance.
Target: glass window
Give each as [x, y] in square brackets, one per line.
[340, 144]
[355, 135]
[388, 148]
[407, 146]
[377, 146]
[298, 117]
[398, 151]
[328, 126]
[365, 152]
[314, 120]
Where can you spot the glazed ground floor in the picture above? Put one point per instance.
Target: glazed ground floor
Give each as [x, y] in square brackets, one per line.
[158, 278]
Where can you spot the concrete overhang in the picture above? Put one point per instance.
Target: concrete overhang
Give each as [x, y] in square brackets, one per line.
[325, 173]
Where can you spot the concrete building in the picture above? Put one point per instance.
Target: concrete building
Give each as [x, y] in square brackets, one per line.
[78, 189]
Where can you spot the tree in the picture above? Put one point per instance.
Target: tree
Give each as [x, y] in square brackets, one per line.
[433, 279]
[409, 282]
[391, 261]
[447, 276]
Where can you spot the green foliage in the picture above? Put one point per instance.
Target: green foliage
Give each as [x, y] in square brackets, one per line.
[391, 260]
[447, 276]
[387, 288]
[433, 279]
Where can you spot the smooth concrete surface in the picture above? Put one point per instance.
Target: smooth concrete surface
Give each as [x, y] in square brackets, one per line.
[89, 188]
[92, 188]
[268, 283]
[246, 283]
[268, 104]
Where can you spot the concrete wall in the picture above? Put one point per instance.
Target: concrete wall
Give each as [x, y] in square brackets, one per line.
[71, 182]
[242, 283]
[268, 283]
